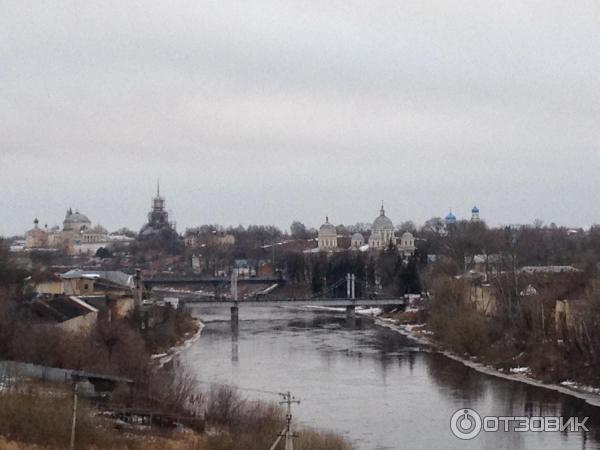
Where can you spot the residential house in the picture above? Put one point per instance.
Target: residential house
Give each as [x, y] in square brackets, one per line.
[69, 312]
[92, 282]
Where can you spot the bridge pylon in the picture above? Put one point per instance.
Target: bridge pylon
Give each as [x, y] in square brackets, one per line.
[351, 294]
[235, 316]
[350, 286]
[235, 310]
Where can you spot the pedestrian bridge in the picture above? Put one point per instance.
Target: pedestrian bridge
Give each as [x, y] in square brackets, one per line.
[322, 299]
[300, 302]
[348, 303]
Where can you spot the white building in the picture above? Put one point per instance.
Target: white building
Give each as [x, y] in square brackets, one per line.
[75, 222]
[407, 244]
[382, 231]
[327, 239]
[357, 241]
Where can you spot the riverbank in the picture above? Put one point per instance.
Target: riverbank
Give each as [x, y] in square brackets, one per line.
[572, 389]
[167, 357]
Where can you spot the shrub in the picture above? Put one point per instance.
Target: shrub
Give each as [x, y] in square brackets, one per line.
[46, 420]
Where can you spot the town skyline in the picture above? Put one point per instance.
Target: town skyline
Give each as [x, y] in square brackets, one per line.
[55, 218]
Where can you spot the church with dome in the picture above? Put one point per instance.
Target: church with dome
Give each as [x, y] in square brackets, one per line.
[77, 236]
[451, 219]
[381, 236]
[76, 222]
[327, 237]
[158, 217]
[382, 231]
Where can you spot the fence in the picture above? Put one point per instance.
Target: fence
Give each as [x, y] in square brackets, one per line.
[13, 372]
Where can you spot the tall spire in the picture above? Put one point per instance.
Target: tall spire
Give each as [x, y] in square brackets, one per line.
[382, 211]
[157, 187]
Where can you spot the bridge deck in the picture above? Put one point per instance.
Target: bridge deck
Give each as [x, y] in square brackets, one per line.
[327, 302]
[166, 281]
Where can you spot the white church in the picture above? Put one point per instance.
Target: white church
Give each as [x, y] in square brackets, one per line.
[382, 235]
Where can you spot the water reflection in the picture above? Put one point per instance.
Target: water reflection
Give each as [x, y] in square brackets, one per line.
[455, 379]
[235, 331]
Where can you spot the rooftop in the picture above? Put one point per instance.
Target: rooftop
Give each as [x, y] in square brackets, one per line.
[114, 276]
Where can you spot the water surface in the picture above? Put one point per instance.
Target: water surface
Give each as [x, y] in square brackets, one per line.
[372, 385]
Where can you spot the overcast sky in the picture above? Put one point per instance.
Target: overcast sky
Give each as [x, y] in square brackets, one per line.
[270, 111]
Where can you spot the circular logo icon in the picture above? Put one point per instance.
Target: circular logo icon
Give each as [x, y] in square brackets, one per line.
[465, 424]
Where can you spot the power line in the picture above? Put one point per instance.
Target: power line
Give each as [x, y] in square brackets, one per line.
[241, 388]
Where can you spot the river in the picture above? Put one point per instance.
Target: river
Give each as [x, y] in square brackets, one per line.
[369, 383]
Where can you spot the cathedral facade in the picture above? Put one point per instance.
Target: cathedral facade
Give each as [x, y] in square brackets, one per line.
[327, 238]
[382, 231]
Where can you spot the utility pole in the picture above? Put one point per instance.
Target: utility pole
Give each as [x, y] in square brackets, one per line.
[138, 288]
[289, 435]
[287, 432]
[74, 419]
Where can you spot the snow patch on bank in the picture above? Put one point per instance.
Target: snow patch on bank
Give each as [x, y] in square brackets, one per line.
[164, 358]
[580, 387]
[363, 311]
